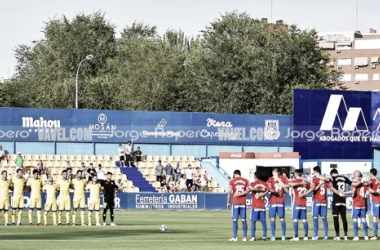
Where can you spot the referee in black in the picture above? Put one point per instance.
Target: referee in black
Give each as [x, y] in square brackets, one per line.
[339, 182]
[109, 190]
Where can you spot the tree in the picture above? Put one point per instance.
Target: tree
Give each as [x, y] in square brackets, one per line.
[237, 65]
[246, 66]
[45, 71]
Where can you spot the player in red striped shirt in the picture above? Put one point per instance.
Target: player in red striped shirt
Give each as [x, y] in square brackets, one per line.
[238, 185]
[358, 192]
[375, 200]
[259, 189]
[300, 187]
[319, 188]
[277, 184]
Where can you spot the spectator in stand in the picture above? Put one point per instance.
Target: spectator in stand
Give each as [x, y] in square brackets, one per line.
[204, 183]
[177, 172]
[19, 160]
[100, 173]
[91, 172]
[3, 154]
[121, 154]
[164, 187]
[128, 154]
[83, 169]
[182, 186]
[28, 174]
[41, 167]
[119, 184]
[138, 154]
[189, 177]
[196, 185]
[197, 175]
[69, 174]
[169, 172]
[172, 188]
[68, 167]
[159, 170]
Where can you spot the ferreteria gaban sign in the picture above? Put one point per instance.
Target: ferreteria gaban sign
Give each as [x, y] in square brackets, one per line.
[336, 124]
[142, 127]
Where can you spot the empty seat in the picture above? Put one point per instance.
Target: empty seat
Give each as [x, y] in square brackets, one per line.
[156, 158]
[107, 158]
[151, 178]
[177, 158]
[145, 172]
[141, 164]
[12, 157]
[28, 157]
[49, 164]
[50, 157]
[184, 158]
[64, 158]
[170, 158]
[191, 158]
[85, 158]
[78, 157]
[150, 165]
[35, 157]
[149, 158]
[71, 157]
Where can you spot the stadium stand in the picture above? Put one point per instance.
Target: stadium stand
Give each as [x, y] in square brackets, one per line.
[140, 179]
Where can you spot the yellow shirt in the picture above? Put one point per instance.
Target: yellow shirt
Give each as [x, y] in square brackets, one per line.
[50, 193]
[35, 185]
[4, 188]
[94, 191]
[64, 187]
[18, 186]
[79, 186]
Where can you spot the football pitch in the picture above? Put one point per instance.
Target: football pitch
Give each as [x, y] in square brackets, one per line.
[140, 230]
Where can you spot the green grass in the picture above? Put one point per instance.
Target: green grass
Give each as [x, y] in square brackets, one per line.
[140, 230]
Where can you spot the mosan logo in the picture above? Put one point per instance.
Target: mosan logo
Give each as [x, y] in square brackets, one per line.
[30, 122]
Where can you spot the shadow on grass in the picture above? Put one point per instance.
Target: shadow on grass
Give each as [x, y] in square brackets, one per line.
[66, 234]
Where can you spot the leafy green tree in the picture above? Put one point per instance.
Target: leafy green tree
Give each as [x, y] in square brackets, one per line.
[45, 71]
[236, 65]
[246, 66]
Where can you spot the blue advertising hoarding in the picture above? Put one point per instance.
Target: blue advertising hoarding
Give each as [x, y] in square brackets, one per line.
[333, 124]
[181, 201]
[64, 125]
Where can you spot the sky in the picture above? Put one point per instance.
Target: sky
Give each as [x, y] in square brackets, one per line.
[21, 21]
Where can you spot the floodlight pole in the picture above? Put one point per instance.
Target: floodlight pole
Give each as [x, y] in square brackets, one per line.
[88, 57]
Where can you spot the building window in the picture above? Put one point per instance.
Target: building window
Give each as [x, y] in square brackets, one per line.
[344, 61]
[361, 77]
[360, 62]
[376, 77]
[345, 78]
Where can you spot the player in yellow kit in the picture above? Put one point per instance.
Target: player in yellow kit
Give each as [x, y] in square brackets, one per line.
[35, 197]
[94, 201]
[79, 200]
[18, 183]
[4, 195]
[51, 201]
[63, 186]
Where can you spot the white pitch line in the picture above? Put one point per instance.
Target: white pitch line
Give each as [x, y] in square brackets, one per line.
[92, 240]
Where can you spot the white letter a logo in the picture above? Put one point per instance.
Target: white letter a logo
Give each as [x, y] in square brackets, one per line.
[352, 117]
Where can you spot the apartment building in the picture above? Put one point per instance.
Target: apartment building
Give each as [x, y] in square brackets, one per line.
[357, 55]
